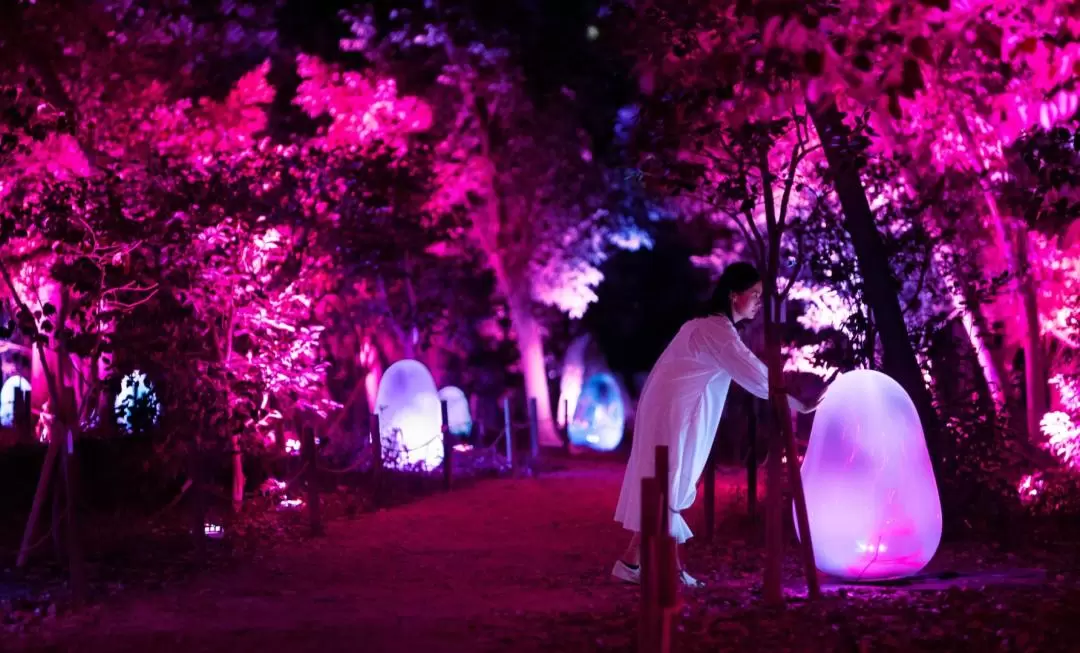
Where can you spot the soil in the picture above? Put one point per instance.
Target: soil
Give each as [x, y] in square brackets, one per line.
[522, 564]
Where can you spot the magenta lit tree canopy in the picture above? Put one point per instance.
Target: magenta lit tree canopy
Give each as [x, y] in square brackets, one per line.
[870, 491]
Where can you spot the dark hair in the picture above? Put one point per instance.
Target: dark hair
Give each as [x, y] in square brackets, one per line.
[737, 277]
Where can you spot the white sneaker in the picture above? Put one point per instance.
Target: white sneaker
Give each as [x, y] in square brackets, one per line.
[689, 580]
[625, 572]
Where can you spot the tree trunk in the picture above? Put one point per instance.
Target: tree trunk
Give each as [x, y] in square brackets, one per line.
[971, 314]
[773, 588]
[1014, 251]
[531, 345]
[1034, 374]
[880, 287]
[234, 438]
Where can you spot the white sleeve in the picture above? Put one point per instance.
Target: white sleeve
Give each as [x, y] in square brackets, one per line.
[722, 343]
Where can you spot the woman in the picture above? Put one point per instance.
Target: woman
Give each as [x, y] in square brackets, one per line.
[681, 403]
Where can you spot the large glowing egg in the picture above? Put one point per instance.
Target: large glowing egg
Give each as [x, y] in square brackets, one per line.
[410, 416]
[599, 416]
[871, 497]
[457, 410]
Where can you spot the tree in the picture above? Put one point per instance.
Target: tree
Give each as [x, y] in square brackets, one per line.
[521, 170]
[171, 189]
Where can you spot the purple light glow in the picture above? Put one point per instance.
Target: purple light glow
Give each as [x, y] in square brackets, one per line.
[871, 496]
[410, 416]
[457, 408]
[599, 417]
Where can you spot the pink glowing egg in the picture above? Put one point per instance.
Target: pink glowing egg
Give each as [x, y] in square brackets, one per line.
[871, 497]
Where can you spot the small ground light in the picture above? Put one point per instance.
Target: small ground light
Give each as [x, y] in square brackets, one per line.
[213, 531]
[592, 33]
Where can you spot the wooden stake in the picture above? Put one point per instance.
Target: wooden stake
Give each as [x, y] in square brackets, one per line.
[774, 525]
[237, 474]
[566, 424]
[508, 433]
[196, 473]
[311, 460]
[375, 432]
[668, 594]
[534, 431]
[650, 528]
[448, 448]
[660, 466]
[813, 587]
[751, 462]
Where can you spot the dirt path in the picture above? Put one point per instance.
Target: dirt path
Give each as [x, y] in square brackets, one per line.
[453, 572]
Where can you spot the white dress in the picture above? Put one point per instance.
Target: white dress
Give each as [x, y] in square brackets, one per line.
[680, 406]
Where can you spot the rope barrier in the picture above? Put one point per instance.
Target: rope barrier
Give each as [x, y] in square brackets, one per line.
[33, 546]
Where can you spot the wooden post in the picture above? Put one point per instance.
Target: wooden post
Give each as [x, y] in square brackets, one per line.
[375, 432]
[663, 479]
[534, 431]
[75, 554]
[448, 448]
[650, 528]
[197, 474]
[751, 461]
[566, 424]
[774, 525]
[668, 594]
[508, 433]
[665, 575]
[813, 587]
[311, 459]
[710, 497]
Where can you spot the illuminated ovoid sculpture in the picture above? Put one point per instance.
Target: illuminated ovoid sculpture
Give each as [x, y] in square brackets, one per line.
[457, 410]
[870, 491]
[136, 405]
[7, 398]
[599, 416]
[410, 416]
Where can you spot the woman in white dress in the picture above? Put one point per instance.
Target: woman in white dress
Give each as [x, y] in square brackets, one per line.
[681, 403]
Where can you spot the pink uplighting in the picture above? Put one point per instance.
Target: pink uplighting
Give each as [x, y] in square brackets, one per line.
[870, 490]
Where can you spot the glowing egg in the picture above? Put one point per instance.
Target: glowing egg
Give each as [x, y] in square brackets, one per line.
[599, 416]
[871, 497]
[410, 416]
[137, 406]
[457, 410]
[13, 385]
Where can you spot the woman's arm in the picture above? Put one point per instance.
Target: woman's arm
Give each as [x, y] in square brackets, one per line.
[722, 343]
[745, 368]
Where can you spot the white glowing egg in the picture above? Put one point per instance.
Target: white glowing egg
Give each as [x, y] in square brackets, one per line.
[599, 417]
[7, 398]
[871, 497]
[457, 410]
[410, 416]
